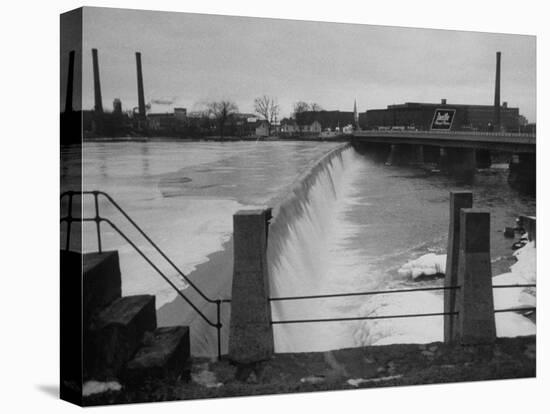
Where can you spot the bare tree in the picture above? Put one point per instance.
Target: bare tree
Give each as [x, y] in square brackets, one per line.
[267, 108]
[315, 107]
[221, 111]
[299, 109]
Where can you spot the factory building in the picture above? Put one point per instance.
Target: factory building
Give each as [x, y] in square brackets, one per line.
[420, 116]
[448, 116]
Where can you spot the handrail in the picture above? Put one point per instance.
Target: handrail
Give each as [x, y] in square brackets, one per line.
[98, 220]
[360, 318]
[376, 292]
[520, 309]
[524, 285]
[384, 292]
[202, 294]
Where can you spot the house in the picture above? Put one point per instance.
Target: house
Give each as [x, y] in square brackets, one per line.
[262, 129]
[289, 127]
[315, 127]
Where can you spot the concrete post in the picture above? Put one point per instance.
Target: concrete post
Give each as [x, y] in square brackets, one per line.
[251, 332]
[476, 318]
[458, 200]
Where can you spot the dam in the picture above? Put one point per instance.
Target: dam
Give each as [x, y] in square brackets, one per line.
[342, 221]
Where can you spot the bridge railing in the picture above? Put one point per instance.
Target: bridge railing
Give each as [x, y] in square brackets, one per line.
[443, 132]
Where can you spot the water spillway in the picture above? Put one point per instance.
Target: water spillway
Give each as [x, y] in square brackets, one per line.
[305, 256]
[346, 226]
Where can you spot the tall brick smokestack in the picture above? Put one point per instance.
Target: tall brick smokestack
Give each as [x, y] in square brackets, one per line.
[98, 104]
[141, 96]
[497, 95]
[70, 75]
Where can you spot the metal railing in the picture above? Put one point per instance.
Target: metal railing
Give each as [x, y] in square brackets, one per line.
[384, 292]
[367, 293]
[98, 219]
[454, 133]
[520, 309]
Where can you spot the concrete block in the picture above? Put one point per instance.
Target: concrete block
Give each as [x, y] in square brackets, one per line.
[101, 283]
[458, 201]
[251, 333]
[164, 354]
[476, 318]
[116, 332]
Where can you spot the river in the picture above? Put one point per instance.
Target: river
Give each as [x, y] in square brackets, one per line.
[349, 229]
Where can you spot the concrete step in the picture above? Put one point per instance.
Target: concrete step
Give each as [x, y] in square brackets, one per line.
[164, 354]
[101, 283]
[116, 333]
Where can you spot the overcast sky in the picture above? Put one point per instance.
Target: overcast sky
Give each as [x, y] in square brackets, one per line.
[193, 58]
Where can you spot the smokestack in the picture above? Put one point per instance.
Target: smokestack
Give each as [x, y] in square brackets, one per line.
[497, 95]
[141, 96]
[98, 105]
[69, 97]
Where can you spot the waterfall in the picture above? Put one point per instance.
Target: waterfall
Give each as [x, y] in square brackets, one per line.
[302, 255]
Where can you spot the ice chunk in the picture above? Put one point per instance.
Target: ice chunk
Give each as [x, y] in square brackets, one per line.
[428, 265]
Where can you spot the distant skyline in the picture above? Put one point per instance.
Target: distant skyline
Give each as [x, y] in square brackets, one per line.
[191, 59]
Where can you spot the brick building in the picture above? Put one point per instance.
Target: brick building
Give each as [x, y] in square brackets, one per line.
[421, 115]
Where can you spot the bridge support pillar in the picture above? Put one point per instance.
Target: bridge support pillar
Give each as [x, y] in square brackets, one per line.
[476, 317]
[523, 173]
[431, 154]
[443, 161]
[419, 152]
[458, 201]
[250, 332]
[461, 162]
[483, 158]
[402, 154]
[392, 155]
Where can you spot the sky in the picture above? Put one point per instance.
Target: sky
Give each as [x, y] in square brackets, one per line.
[191, 59]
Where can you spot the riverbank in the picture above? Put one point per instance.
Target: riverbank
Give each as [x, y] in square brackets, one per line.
[365, 367]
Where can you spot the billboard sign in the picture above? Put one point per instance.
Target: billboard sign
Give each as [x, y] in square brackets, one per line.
[443, 119]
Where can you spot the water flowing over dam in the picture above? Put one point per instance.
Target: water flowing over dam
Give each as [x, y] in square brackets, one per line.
[346, 226]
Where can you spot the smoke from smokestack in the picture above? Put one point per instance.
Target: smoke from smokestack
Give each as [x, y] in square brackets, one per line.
[98, 104]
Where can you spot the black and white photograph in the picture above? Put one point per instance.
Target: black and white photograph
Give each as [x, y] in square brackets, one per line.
[279, 205]
[258, 206]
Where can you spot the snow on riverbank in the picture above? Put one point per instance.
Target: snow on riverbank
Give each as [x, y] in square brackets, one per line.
[524, 271]
[509, 324]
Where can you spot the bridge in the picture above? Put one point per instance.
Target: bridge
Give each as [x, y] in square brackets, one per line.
[457, 152]
[517, 143]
